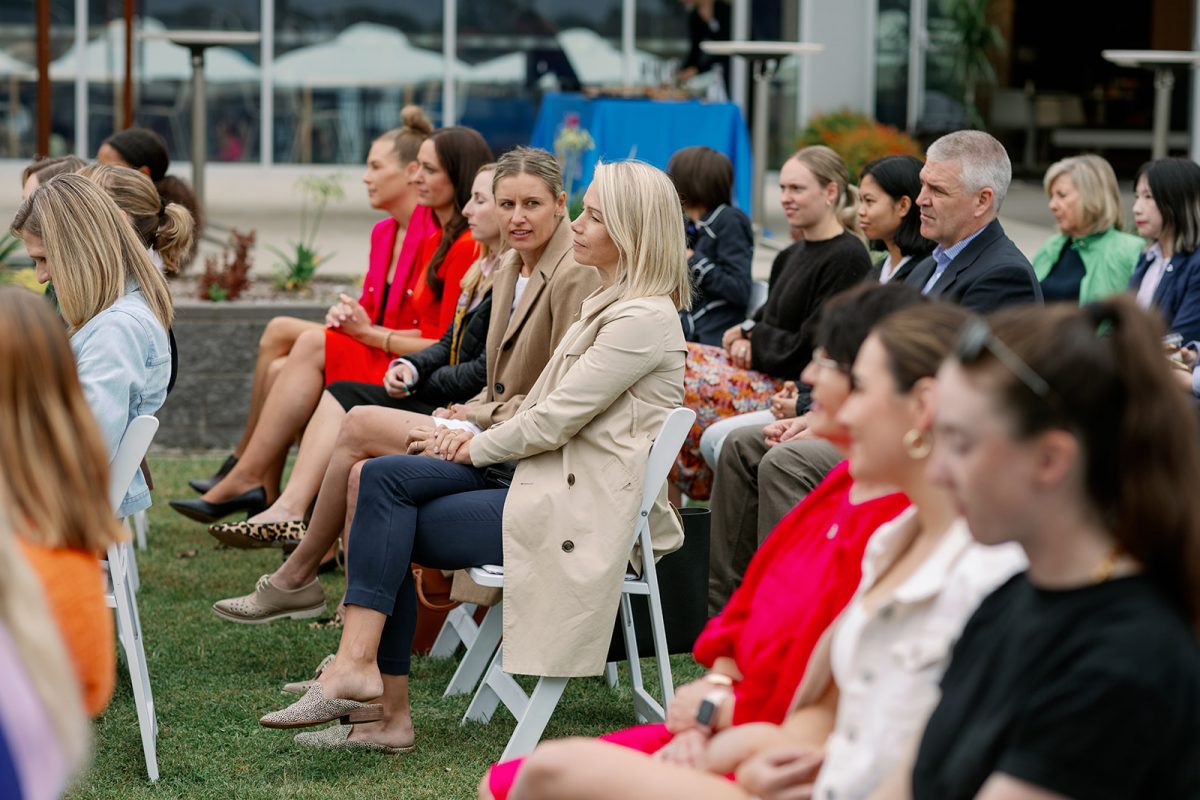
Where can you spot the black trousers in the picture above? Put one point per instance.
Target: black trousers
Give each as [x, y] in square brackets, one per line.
[423, 509]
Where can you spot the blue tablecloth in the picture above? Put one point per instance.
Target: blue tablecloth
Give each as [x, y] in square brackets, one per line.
[651, 131]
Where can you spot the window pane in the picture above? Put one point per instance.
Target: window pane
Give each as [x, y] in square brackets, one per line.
[18, 79]
[340, 82]
[514, 51]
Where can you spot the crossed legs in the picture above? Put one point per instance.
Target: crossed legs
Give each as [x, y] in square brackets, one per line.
[410, 508]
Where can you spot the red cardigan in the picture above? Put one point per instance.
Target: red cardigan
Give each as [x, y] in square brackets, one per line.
[796, 585]
[421, 225]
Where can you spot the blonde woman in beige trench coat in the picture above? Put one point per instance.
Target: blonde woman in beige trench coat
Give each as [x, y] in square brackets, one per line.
[563, 531]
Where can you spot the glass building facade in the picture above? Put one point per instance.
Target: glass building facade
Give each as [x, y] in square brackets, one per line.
[330, 75]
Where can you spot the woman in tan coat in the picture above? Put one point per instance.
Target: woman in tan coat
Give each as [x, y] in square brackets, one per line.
[580, 440]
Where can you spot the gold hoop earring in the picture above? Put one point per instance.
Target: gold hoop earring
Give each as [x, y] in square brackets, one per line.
[917, 445]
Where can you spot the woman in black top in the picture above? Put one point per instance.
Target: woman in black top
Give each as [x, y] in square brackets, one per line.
[756, 356]
[720, 243]
[1061, 429]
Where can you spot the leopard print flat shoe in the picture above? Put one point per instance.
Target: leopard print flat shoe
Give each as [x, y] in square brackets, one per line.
[255, 535]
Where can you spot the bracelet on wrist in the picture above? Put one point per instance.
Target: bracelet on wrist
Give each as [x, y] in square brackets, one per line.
[387, 340]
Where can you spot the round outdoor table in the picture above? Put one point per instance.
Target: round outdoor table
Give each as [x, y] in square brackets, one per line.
[1163, 63]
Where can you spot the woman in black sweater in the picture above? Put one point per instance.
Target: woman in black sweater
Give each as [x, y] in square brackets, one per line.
[756, 356]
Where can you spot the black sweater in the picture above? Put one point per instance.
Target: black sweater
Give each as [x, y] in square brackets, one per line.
[803, 277]
[438, 381]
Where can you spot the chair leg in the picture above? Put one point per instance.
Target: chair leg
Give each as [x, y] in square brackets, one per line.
[610, 674]
[459, 627]
[475, 662]
[661, 653]
[532, 723]
[486, 699]
[139, 526]
[130, 634]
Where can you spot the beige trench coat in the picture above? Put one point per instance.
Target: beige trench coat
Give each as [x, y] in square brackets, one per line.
[582, 436]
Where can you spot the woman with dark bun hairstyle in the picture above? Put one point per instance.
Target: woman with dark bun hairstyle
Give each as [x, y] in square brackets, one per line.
[144, 150]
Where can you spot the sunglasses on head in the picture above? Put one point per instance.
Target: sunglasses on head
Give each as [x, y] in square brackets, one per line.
[977, 337]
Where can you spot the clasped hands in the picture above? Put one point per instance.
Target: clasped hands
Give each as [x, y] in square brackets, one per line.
[738, 346]
[446, 443]
[348, 316]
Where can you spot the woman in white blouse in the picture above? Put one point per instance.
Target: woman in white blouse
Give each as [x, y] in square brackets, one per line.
[873, 679]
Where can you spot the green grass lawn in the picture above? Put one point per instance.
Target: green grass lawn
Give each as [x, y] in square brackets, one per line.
[213, 679]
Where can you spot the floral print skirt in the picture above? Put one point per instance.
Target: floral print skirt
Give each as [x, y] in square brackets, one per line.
[715, 389]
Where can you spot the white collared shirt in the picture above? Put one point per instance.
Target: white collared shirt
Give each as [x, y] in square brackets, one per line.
[1152, 277]
[889, 660]
[888, 270]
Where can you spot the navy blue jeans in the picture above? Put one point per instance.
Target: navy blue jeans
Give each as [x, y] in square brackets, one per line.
[423, 509]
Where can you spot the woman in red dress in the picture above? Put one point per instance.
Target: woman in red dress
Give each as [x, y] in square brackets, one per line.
[446, 165]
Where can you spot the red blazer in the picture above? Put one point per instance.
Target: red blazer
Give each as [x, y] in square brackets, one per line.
[383, 239]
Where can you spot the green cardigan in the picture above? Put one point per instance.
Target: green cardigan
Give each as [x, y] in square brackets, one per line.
[1108, 261]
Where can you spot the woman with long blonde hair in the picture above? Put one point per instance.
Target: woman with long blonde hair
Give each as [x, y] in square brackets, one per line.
[114, 300]
[54, 472]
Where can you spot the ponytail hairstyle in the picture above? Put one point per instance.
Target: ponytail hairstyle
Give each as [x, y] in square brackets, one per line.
[406, 140]
[167, 229]
[93, 248]
[828, 167]
[1110, 386]
[145, 151]
[461, 151]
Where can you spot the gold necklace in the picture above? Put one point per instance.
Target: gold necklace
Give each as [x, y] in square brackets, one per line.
[1106, 567]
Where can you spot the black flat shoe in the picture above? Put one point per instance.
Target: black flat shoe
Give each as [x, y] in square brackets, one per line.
[251, 502]
[202, 485]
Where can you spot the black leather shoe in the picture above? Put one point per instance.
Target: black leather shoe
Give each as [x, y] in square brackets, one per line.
[200, 510]
[202, 485]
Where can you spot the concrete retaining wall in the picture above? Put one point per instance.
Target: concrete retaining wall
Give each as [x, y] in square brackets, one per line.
[218, 345]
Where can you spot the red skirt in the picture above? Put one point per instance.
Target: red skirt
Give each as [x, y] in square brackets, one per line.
[348, 359]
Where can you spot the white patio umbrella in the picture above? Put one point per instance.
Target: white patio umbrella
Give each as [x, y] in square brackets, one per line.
[363, 55]
[597, 62]
[156, 59]
[14, 68]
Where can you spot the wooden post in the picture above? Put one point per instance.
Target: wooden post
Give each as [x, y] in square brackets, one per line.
[127, 115]
[43, 79]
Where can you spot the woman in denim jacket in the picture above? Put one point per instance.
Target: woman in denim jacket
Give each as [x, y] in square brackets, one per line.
[114, 300]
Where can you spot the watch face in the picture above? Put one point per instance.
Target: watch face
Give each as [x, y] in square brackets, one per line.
[704, 714]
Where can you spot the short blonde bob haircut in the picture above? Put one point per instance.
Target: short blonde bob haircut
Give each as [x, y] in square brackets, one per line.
[644, 217]
[53, 460]
[1096, 186]
[92, 249]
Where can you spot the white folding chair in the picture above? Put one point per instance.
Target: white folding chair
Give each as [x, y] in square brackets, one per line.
[459, 628]
[533, 712]
[122, 571]
[140, 525]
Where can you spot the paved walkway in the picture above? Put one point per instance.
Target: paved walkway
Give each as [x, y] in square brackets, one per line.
[266, 200]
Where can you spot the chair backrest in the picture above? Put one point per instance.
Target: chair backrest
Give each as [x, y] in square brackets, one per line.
[662, 457]
[134, 445]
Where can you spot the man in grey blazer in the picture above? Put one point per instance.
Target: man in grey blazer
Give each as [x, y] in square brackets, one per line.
[963, 183]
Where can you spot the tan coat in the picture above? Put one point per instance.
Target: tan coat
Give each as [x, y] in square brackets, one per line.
[582, 436]
[519, 343]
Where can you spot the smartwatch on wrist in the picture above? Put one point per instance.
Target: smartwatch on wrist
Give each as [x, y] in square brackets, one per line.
[747, 326]
[706, 714]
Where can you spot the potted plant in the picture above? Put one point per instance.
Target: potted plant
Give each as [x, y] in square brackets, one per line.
[299, 264]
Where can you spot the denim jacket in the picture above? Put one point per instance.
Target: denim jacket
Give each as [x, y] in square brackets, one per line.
[124, 363]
